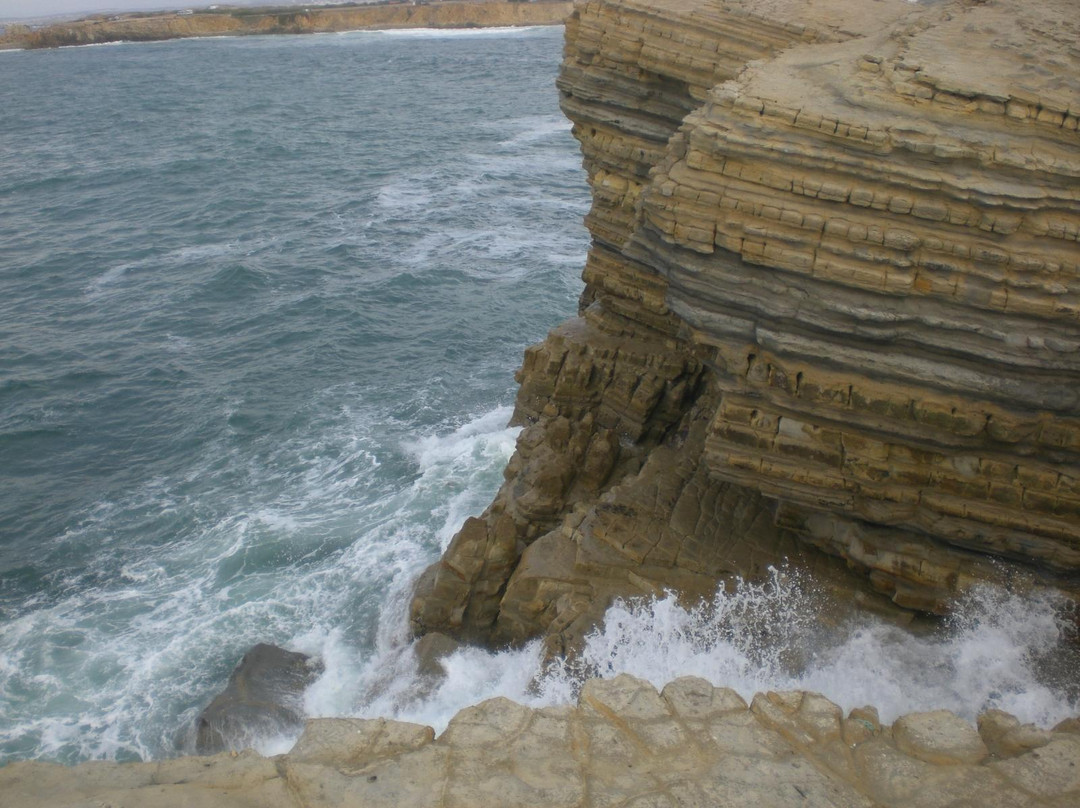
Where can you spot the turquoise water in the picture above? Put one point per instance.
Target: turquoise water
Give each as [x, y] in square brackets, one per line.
[261, 301]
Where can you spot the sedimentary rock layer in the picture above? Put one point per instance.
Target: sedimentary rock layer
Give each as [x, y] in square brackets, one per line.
[881, 269]
[624, 744]
[831, 305]
[238, 22]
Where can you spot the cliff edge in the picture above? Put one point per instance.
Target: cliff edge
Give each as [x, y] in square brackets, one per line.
[830, 316]
[624, 744]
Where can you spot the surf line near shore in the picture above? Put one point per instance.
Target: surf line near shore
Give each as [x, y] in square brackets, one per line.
[149, 27]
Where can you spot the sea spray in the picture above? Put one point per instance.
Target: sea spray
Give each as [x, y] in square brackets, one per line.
[754, 637]
[144, 685]
[763, 637]
[451, 465]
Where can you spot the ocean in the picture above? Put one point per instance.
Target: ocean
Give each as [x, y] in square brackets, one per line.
[261, 301]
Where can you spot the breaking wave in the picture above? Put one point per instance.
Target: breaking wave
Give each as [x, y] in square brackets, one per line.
[1006, 651]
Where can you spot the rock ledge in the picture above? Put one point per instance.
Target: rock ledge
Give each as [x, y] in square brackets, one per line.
[624, 744]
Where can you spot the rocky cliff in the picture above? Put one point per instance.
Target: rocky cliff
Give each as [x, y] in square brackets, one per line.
[830, 316]
[624, 744]
[240, 22]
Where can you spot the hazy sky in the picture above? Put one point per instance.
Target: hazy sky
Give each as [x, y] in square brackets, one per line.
[20, 9]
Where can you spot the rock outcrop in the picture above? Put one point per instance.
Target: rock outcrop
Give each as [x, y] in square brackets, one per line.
[624, 744]
[830, 316]
[263, 697]
[233, 21]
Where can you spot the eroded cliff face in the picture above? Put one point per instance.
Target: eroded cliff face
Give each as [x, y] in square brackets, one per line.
[830, 316]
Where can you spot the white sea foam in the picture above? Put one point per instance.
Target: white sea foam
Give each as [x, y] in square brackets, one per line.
[178, 603]
[455, 478]
[514, 166]
[177, 344]
[534, 129]
[173, 258]
[766, 637]
[496, 232]
[406, 195]
[444, 33]
[108, 277]
[760, 637]
[98, 44]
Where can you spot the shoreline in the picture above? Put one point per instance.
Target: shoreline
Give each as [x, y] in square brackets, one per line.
[234, 22]
[419, 32]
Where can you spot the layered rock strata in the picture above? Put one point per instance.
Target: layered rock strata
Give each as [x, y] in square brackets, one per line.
[831, 305]
[623, 744]
[231, 21]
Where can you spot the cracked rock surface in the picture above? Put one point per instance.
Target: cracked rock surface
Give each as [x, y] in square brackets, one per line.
[624, 744]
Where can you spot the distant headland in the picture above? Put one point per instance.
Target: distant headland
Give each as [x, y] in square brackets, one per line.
[225, 20]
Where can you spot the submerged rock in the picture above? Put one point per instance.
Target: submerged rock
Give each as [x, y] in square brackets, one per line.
[262, 699]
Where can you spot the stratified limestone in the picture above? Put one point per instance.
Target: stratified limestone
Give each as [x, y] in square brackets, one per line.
[831, 305]
[624, 744]
[877, 250]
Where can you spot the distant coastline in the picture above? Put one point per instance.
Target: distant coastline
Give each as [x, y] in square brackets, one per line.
[224, 20]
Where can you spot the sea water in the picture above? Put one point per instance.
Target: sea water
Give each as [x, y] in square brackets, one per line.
[261, 301]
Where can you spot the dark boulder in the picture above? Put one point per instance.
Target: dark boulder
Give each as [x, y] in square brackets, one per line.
[262, 699]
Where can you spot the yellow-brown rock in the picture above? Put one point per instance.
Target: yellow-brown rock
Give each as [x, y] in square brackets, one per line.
[861, 245]
[624, 743]
[831, 305]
